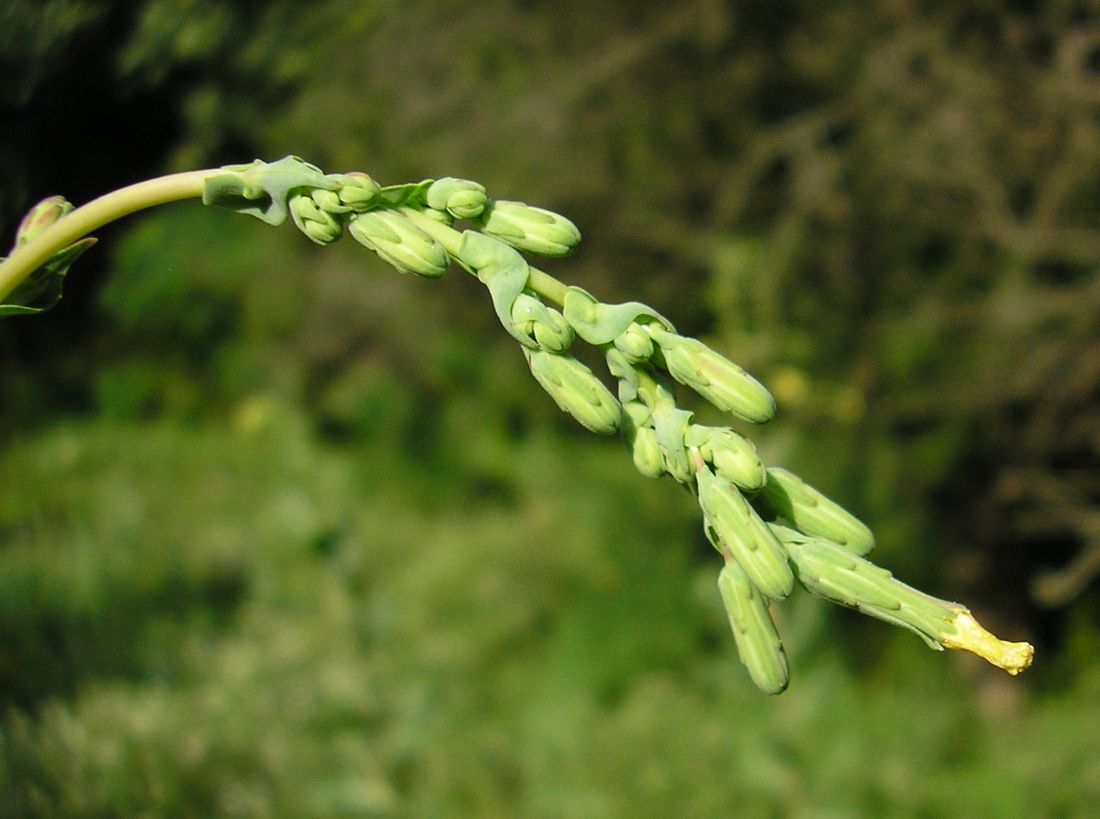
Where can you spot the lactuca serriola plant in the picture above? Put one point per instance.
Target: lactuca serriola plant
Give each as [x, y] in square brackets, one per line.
[770, 528]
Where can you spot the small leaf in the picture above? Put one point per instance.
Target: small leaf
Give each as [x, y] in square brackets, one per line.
[42, 289]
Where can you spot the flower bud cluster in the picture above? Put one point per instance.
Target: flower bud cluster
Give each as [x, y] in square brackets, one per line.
[770, 527]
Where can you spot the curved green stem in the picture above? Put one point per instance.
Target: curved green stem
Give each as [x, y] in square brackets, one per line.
[546, 286]
[27, 258]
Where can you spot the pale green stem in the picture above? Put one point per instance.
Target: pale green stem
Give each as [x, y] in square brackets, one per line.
[547, 286]
[27, 258]
[542, 284]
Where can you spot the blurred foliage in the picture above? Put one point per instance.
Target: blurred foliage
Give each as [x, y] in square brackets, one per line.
[284, 534]
[244, 622]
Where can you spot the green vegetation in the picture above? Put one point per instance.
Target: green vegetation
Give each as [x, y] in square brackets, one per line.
[240, 621]
[283, 534]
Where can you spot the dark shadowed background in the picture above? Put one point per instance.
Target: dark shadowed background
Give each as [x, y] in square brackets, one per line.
[283, 533]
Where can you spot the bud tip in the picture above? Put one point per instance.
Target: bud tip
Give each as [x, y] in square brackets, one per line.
[971, 636]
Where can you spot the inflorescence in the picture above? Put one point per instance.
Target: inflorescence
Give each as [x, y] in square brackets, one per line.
[769, 527]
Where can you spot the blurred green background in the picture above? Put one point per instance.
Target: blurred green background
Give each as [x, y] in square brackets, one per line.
[285, 534]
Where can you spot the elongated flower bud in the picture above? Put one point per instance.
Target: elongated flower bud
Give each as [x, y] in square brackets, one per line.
[319, 225]
[399, 242]
[544, 326]
[641, 437]
[754, 631]
[40, 217]
[646, 453]
[831, 571]
[734, 456]
[746, 537]
[813, 513]
[461, 198]
[576, 390]
[532, 229]
[715, 377]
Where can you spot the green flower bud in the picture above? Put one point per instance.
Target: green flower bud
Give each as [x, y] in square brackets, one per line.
[534, 230]
[646, 453]
[319, 225]
[746, 538]
[461, 198]
[576, 390]
[828, 569]
[329, 201]
[754, 631]
[831, 571]
[716, 378]
[734, 456]
[357, 190]
[641, 437]
[635, 344]
[546, 327]
[813, 513]
[40, 217]
[396, 240]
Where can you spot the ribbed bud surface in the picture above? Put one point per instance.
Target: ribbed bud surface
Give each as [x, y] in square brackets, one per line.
[531, 229]
[747, 538]
[399, 242]
[715, 377]
[576, 390]
[754, 631]
[813, 513]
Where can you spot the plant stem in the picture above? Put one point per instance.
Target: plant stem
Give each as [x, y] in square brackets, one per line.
[27, 258]
[546, 286]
